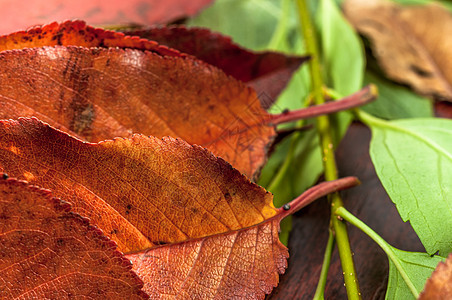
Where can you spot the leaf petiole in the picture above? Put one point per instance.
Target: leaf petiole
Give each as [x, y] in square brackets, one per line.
[316, 192]
[371, 120]
[363, 96]
[388, 249]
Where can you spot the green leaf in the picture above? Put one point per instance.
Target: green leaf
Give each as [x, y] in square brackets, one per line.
[342, 50]
[251, 23]
[413, 159]
[343, 58]
[418, 266]
[302, 154]
[408, 271]
[395, 101]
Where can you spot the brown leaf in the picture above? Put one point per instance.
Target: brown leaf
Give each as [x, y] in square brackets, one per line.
[48, 252]
[266, 72]
[97, 94]
[113, 183]
[439, 285]
[19, 14]
[146, 192]
[413, 44]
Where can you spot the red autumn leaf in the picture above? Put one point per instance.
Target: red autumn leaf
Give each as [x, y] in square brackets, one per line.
[97, 94]
[146, 192]
[439, 285]
[18, 14]
[266, 72]
[48, 252]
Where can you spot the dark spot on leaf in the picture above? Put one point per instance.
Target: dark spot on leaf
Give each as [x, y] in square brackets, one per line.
[128, 207]
[114, 231]
[228, 197]
[60, 242]
[286, 206]
[5, 176]
[160, 243]
[420, 71]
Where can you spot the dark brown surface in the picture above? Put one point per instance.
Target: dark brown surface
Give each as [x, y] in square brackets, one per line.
[370, 203]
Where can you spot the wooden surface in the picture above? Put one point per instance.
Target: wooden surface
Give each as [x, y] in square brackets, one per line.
[370, 203]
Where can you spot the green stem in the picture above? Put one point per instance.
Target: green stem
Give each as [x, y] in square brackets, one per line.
[323, 127]
[371, 120]
[320, 291]
[388, 249]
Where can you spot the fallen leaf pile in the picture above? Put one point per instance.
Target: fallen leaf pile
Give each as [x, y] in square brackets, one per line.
[122, 127]
[85, 92]
[188, 221]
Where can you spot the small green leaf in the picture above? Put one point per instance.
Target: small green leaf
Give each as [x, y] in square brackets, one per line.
[418, 267]
[305, 167]
[343, 58]
[395, 101]
[413, 159]
[342, 51]
[250, 23]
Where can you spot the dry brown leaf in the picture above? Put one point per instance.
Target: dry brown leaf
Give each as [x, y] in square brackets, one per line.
[413, 44]
[439, 285]
[47, 252]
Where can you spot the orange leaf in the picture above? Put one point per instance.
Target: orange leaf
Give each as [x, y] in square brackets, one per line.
[439, 285]
[97, 94]
[144, 192]
[48, 252]
[17, 14]
[267, 72]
